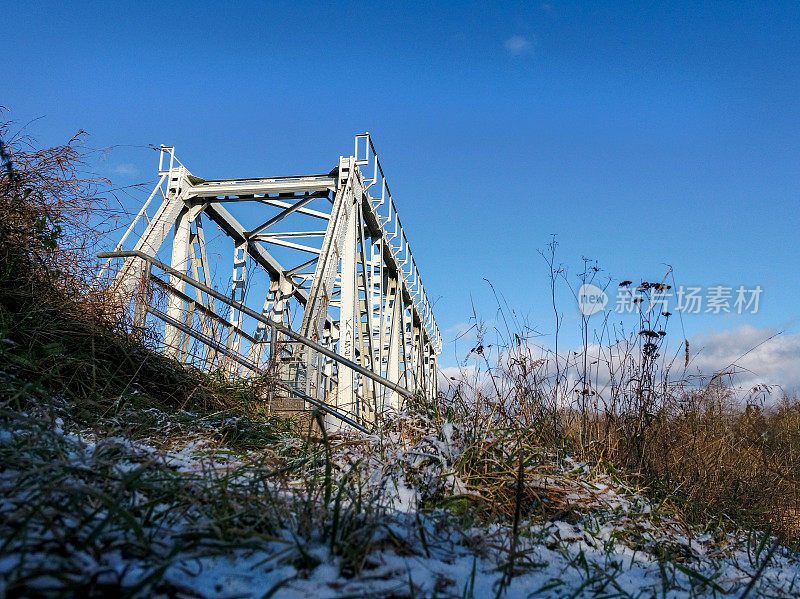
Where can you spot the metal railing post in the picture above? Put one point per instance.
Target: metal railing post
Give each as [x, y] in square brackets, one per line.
[142, 300]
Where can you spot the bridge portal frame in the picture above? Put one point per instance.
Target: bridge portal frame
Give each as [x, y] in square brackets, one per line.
[360, 292]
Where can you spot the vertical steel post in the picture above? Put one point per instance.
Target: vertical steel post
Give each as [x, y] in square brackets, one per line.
[347, 315]
[238, 288]
[142, 300]
[180, 262]
[395, 322]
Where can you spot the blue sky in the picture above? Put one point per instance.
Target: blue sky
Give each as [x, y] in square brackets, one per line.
[640, 135]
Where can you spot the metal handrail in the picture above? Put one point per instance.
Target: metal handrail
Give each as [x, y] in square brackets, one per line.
[278, 327]
[254, 368]
[423, 305]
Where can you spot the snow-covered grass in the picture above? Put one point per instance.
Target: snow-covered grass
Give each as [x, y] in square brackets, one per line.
[419, 511]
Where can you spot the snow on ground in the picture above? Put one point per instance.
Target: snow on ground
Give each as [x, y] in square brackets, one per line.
[114, 515]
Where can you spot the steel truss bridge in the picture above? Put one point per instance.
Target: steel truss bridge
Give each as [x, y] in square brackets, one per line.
[320, 290]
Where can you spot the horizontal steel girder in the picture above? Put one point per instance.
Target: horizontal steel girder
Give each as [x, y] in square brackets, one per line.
[216, 189]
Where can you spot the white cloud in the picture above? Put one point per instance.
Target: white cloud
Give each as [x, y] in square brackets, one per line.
[451, 376]
[757, 356]
[517, 44]
[124, 169]
[754, 357]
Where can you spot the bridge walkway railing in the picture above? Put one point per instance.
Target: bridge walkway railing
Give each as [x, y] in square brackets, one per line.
[284, 362]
